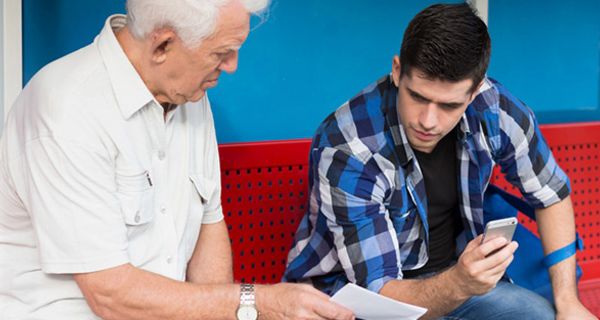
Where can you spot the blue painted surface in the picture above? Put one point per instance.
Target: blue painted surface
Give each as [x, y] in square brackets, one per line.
[53, 28]
[310, 56]
[548, 54]
[308, 59]
[296, 68]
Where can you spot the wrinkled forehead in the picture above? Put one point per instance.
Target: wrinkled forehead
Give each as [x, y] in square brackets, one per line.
[233, 26]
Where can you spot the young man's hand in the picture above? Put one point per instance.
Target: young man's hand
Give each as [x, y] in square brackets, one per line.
[297, 301]
[482, 265]
[574, 311]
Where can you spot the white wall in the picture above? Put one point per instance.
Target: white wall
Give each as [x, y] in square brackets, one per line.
[11, 69]
[2, 64]
[482, 8]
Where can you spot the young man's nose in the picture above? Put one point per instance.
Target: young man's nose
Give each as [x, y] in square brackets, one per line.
[428, 117]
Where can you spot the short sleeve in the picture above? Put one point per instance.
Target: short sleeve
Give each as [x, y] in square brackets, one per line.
[70, 192]
[213, 211]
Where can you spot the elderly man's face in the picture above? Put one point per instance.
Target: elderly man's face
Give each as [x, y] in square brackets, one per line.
[188, 73]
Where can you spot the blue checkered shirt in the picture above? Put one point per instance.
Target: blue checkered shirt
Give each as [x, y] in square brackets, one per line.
[367, 217]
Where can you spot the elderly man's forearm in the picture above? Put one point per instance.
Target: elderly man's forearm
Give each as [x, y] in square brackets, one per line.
[126, 292]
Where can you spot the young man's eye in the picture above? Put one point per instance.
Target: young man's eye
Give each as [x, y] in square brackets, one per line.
[450, 106]
[418, 98]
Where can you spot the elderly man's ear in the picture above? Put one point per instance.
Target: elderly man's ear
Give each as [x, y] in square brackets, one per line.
[162, 41]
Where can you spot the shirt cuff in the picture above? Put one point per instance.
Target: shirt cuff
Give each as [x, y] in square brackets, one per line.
[377, 284]
[213, 216]
[548, 196]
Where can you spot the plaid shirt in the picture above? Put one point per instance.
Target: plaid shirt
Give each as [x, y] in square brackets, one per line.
[367, 218]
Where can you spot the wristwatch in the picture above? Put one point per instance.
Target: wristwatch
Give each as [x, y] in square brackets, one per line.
[247, 309]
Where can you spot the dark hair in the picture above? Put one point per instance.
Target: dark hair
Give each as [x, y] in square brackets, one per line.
[447, 42]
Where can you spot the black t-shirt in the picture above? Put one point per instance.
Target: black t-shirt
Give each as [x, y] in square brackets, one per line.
[440, 173]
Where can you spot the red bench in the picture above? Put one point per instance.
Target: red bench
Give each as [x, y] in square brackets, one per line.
[265, 195]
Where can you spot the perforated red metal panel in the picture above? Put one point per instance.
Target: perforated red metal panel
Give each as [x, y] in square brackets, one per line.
[589, 293]
[264, 196]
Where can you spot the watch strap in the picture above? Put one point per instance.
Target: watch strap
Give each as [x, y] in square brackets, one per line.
[247, 296]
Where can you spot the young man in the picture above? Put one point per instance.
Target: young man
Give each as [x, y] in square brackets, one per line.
[398, 175]
[109, 178]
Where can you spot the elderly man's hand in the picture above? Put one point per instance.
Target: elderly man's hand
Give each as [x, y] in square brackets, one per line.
[297, 301]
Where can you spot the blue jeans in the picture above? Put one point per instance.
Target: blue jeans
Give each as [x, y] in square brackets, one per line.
[506, 301]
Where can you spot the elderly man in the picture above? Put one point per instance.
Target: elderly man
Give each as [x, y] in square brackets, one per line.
[109, 178]
[398, 175]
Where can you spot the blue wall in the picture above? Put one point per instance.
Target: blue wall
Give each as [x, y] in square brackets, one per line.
[548, 54]
[312, 55]
[53, 28]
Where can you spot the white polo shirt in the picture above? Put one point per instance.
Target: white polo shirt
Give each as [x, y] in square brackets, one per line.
[92, 176]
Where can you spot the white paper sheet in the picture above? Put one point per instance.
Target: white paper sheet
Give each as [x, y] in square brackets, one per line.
[369, 305]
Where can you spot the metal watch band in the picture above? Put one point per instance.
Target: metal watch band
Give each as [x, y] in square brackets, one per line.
[247, 294]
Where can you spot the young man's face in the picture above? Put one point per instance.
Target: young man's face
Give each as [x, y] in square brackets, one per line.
[429, 109]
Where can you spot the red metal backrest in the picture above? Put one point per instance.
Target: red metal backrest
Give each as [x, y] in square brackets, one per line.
[576, 148]
[264, 196]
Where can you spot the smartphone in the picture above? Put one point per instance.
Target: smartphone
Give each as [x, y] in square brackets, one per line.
[500, 228]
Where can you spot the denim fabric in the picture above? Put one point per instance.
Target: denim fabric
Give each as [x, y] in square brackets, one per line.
[506, 301]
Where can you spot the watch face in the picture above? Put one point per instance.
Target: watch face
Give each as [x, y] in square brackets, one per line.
[247, 313]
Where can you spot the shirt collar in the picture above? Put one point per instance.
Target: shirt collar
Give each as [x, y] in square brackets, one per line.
[470, 119]
[389, 101]
[463, 126]
[129, 89]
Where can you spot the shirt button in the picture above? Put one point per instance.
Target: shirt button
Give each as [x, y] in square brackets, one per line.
[169, 260]
[163, 210]
[137, 216]
[161, 155]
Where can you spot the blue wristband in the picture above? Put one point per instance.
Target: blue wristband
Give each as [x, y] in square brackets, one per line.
[563, 253]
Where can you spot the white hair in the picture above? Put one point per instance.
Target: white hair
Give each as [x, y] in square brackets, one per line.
[191, 20]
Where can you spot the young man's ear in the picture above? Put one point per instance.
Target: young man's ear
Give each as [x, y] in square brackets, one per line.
[396, 71]
[475, 91]
[162, 43]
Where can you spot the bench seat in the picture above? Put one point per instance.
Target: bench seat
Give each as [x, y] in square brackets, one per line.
[265, 194]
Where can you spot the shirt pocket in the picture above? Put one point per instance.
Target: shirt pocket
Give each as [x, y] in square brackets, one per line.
[202, 189]
[135, 194]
